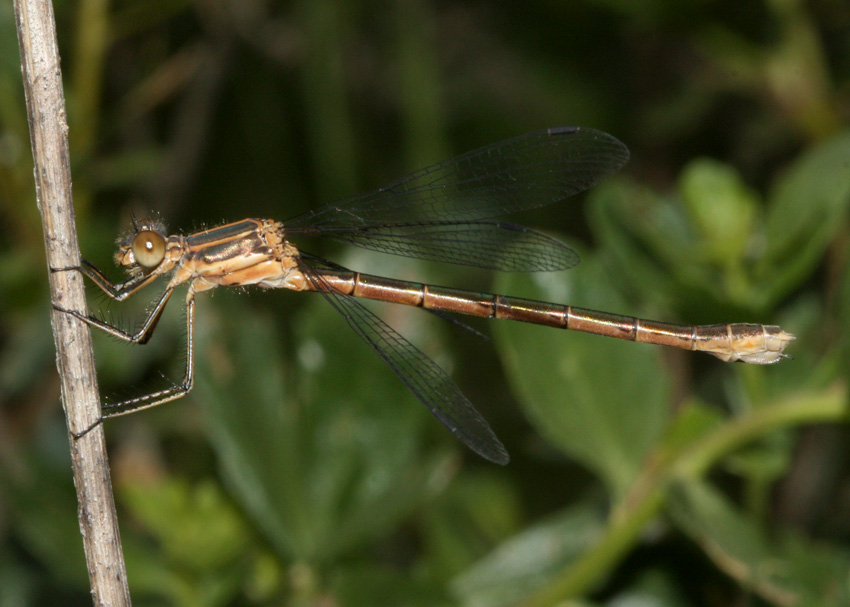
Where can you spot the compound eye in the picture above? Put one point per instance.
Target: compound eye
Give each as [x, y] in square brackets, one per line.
[148, 249]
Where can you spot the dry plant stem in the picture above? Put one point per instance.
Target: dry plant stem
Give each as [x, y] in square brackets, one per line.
[49, 137]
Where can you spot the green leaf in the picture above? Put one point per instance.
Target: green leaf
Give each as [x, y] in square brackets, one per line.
[654, 588]
[202, 543]
[787, 570]
[675, 255]
[722, 208]
[645, 238]
[805, 212]
[524, 563]
[692, 421]
[466, 521]
[40, 507]
[374, 585]
[603, 401]
[197, 526]
[313, 459]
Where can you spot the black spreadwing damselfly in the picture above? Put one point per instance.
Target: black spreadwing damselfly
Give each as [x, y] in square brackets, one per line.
[442, 213]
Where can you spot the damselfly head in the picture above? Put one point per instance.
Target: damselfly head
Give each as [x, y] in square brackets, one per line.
[144, 248]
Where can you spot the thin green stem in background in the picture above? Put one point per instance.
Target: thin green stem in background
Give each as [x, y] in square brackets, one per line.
[647, 499]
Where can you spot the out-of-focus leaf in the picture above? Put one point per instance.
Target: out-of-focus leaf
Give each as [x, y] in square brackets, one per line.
[787, 570]
[329, 127]
[17, 583]
[197, 526]
[136, 17]
[649, 13]
[12, 110]
[693, 420]
[758, 463]
[645, 238]
[323, 463]
[816, 357]
[804, 213]
[29, 348]
[43, 515]
[524, 563]
[200, 536]
[377, 586]
[700, 261]
[765, 461]
[722, 208]
[603, 401]
[652, 589]
[122, 170]
[467, 521]
[40, 505]
[842, 339]
[675, 255]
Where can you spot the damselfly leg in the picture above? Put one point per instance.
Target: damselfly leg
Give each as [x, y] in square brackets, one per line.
[121, 292]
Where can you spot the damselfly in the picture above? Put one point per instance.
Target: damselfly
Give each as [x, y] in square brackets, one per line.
[442, 213]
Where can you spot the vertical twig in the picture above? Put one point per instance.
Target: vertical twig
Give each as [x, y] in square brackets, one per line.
[49, 137]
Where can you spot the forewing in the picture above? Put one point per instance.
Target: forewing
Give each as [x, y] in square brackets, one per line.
[525, 172]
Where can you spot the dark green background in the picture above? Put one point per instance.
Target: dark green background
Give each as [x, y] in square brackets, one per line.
[300, 471]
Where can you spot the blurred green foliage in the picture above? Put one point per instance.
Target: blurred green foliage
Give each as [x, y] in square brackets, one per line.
[300, 471]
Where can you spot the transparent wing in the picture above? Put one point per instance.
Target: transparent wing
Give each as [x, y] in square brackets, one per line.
[428, 382]
[525, 172]
[490, 245]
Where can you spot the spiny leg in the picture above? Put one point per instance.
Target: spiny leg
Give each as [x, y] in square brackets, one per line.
[117, 291]
[139, 337]
[168, 394]
[159, 397]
